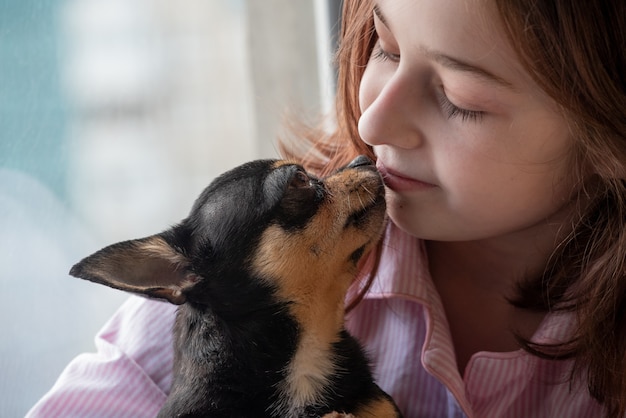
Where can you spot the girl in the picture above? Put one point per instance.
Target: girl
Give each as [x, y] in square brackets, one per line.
[499, 289]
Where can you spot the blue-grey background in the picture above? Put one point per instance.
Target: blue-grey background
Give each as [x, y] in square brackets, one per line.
[114, 114]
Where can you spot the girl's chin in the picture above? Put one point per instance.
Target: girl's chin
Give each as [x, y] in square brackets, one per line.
[404, 219]
[417, 223]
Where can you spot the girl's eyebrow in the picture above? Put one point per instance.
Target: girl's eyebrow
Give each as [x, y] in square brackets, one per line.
[454, 63]
[380, 15]
[462, 66]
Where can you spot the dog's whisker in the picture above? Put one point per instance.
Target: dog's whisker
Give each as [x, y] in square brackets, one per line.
[363, 205]
[369, 192]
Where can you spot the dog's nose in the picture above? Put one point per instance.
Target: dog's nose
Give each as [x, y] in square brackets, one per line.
[360, 161]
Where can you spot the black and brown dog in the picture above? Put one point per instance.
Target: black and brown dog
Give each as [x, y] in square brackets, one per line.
[261, 267]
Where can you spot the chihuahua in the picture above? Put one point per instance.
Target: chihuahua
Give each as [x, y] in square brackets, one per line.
[260, 269]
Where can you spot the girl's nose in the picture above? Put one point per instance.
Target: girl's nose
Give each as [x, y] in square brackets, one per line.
[390, 111]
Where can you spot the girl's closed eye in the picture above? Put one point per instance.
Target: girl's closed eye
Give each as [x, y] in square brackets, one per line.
[383, 51]
[451, 110]
[381, 54]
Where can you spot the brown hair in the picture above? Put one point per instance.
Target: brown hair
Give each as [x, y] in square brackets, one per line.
[576, 52]
[327, 151]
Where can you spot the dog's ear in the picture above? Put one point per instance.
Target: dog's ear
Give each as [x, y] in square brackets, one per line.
[148, 266]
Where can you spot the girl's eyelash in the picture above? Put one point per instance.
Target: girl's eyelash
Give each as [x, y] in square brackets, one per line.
[451, 110]
[380, 54]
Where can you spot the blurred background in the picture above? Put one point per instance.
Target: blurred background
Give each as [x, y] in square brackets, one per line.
[114, 115]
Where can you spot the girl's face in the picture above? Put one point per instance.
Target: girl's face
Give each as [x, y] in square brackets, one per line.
[470, 147]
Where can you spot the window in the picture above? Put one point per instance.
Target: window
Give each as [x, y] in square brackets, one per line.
[114, 115]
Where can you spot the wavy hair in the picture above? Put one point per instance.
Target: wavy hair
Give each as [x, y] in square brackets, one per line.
[576, 52]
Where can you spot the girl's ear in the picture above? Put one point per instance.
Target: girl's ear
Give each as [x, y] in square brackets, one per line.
[148, 266]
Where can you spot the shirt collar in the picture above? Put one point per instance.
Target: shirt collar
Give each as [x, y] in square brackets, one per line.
[403, 272]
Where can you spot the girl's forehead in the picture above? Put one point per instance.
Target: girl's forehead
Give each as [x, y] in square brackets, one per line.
[463, 35]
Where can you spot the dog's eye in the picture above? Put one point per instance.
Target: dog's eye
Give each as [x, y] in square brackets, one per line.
[299, 179]
[300, 200]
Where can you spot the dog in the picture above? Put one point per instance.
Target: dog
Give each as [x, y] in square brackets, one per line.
[260, 269]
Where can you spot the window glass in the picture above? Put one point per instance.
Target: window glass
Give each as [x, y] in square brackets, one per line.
[114, 114]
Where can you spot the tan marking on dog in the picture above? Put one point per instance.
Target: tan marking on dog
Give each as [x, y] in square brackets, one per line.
[315, 283]
[142, 264]
[307, 376]
[380, 408]
[311, 268]
[281, 163]
[157, 247]
[317, 272]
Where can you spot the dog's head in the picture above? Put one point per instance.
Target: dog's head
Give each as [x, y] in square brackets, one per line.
[267, 223]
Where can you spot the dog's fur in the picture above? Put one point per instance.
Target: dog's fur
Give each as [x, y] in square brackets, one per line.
[261, 267]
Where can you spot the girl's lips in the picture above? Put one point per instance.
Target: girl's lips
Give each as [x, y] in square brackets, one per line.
[399, 182]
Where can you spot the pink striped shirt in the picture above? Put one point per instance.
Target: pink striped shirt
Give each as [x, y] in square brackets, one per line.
[403, 326]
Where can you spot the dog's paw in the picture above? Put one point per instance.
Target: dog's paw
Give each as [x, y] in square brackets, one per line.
[338, 415]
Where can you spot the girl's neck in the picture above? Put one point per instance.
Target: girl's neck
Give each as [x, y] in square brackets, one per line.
[495, 265]
[477, 279]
